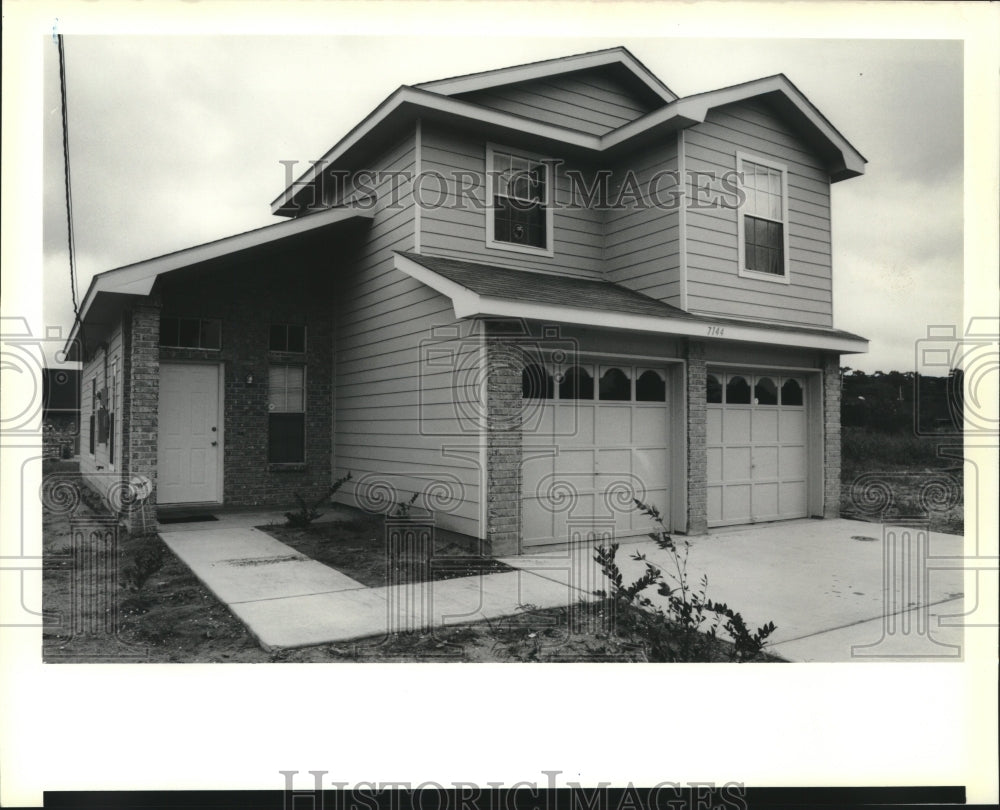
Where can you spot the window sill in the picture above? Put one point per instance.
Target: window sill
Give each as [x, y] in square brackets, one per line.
[514, 248]
[774, 278]
[295, 466]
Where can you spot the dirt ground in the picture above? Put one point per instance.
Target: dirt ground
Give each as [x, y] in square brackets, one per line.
[358, 548]
[139, 603]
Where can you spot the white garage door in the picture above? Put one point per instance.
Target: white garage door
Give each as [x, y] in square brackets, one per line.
[757, 446]
[594, 437]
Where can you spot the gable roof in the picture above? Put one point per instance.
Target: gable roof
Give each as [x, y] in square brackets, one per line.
[490, 290]
[407, 104]
[619, 57]
[108, 289]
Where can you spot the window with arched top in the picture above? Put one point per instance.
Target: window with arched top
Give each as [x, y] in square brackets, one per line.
[650, 387]
[577, 383]
[791, 392]
[536, 382]
[737, 390]
[713, 390]
[765, 392]
[615, 386]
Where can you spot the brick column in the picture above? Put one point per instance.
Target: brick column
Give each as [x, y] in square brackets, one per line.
[697, 456]
[831, 435]
[503, 446]
[141, 395]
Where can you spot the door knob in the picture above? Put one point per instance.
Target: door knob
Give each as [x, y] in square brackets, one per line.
[215, 444]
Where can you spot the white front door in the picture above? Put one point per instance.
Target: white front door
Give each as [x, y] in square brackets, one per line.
[189, 451]
[586, 458]
[757, 445]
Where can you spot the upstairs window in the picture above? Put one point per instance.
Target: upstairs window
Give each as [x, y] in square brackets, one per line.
[520, 217]
[763, 219]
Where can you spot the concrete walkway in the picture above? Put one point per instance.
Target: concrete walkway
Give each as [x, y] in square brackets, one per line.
[287, 600]
[838, 590]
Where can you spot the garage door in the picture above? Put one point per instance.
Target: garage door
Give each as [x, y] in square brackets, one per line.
[757, 447]
[594, 437]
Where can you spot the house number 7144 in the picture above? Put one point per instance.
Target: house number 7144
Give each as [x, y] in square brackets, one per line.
[716, 331]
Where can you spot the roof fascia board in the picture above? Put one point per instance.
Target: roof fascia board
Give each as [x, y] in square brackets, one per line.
[434, 102]
[550, 67]
[469, 304]
[695, 109]
[139, 278]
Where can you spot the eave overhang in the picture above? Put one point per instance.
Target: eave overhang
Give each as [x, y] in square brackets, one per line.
[407, 104]
[110, 290]
[468, 303]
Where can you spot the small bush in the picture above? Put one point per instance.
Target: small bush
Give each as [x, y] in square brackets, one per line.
[687, 629]
[307, 512]
[402, 509]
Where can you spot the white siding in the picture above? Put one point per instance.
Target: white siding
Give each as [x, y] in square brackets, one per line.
[714, 285]
[100, 469]
[591, 101]
[642, 243]
[392, 419]
[457, 227]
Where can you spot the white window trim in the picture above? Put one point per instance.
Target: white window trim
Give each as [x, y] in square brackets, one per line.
[491, 242]
[741, 228]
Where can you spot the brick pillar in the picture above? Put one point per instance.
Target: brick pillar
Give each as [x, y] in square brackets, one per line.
[697, 456]
[831, 435]
[141, 396]
[503, 446]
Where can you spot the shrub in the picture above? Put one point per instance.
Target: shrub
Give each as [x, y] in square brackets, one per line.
[688, 627]
[307, 512]
[145, 562]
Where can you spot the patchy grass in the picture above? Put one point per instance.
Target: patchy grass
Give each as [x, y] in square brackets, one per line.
[358, 548]
[887, 476]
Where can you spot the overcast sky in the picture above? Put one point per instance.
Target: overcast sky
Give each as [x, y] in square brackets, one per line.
[177, 140]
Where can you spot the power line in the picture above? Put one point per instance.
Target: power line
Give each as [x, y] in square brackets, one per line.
[69, 193]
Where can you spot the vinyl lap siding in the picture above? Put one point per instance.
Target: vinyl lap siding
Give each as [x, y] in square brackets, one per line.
[391, 422]
[642, 243]
[454, 225]
[99, 470]
[592, 101]
[712, 240]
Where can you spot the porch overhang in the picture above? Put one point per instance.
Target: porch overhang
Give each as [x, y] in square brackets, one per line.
[478, 290]
[111, 290]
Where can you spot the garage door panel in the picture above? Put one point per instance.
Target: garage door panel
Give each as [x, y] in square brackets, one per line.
[764, 426]
[735, 464]
[792, 497]
[793, 461]
[765, 502]
[574, 423]
[714, 500]
[614, 425]
[735, 502]
[714, 463]
[536, 519]
[651, 466]
[765, 463]
[735, 425]
[577, 465]
[649, 424]
[792, 426]
[713, 433]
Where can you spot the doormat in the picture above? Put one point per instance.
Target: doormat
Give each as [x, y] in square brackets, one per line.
[202, 518]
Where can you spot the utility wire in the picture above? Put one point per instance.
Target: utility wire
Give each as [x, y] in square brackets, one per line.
[69, 193]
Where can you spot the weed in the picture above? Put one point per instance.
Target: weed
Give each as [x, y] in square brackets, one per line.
[145, 562]
[309, 512]
[686, 631]
[402, 510]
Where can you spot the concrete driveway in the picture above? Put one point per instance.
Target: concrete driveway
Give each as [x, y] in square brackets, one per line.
[838, 590]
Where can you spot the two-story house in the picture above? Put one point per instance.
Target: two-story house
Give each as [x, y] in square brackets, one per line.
[528, 295]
